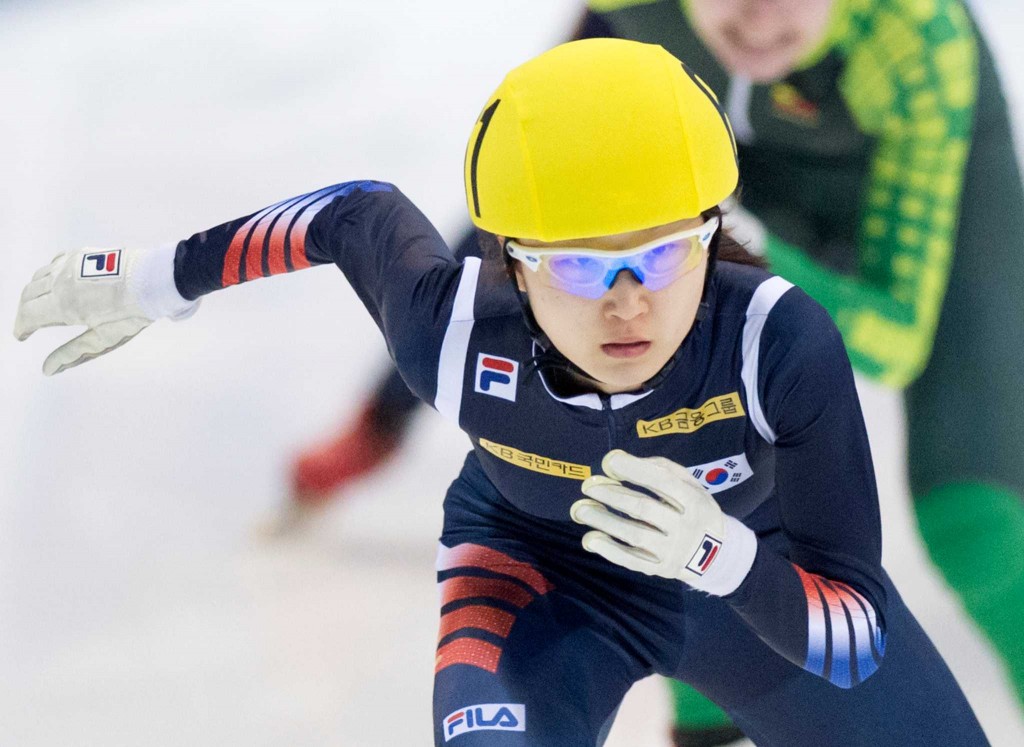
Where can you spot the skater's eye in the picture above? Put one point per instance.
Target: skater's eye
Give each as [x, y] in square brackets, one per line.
[576, 270]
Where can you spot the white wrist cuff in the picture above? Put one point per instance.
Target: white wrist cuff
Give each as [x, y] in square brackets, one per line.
[739, 547]
[151, 283]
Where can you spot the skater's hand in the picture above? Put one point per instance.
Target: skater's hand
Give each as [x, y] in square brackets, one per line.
[115, 293]
[684, 535]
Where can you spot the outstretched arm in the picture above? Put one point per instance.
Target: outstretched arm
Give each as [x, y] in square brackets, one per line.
[820, 601]
[388, 250]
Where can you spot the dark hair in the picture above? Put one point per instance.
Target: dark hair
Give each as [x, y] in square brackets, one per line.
[490, 248]
[730, 250]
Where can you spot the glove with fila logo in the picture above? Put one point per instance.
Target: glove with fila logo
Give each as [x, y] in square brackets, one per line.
[681, 534]
[115, 293]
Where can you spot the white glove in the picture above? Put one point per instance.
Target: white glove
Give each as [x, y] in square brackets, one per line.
[116, 293]
[683, 536]
[744, 227]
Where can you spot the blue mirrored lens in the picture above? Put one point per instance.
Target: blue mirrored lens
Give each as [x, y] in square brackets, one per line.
[591, 277]
[577, 270]
[664, 259]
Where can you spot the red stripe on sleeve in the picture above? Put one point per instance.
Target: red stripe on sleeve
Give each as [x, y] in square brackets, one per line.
[834, 602]
[229, 275]
[275, 250]
[284, 234]
[810, 588]
[254, 258]
[298, 239]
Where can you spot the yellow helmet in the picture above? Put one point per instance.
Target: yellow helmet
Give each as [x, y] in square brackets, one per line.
[597, 137]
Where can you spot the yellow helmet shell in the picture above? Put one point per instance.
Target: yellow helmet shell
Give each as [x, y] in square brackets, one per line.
[598, 137]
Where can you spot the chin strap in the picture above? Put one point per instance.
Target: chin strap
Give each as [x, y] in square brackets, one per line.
[550, 358]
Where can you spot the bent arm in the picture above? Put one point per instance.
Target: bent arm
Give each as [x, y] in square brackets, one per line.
[820, 600]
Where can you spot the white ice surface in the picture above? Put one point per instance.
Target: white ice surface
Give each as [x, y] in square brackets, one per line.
[134, 606]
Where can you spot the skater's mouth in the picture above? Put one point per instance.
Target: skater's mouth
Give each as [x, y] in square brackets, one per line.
[626, 349]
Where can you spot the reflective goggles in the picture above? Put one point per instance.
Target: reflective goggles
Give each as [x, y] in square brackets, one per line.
[590, 273]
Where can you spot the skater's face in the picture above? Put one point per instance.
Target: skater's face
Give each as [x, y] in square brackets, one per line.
[762, 40]
[626, 335]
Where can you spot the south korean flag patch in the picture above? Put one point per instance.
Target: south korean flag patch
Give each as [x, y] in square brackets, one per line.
[723, 474]
[104, 263]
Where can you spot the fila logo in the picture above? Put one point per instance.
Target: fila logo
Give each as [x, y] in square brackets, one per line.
[486, 716]
[496, 376]
[101, 264]
[705, 555]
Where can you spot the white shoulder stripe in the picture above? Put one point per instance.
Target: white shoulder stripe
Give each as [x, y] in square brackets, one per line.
[761, 303]
[451, 366]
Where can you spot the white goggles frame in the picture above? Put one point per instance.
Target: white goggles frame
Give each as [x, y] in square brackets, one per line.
[532, 255]
[613, 261]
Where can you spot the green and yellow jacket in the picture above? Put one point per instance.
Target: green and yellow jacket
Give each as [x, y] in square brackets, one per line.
[855, 161]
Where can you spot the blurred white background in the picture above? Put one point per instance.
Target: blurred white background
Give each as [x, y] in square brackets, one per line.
[135, 605]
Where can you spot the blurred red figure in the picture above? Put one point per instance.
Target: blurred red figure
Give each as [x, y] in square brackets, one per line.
[360, 448]
[324, 470]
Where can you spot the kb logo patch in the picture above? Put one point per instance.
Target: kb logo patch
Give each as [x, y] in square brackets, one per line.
[101, 264]
[486, 716]
[497, 376]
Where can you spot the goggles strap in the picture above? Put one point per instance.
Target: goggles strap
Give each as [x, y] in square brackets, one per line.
[551, 357]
